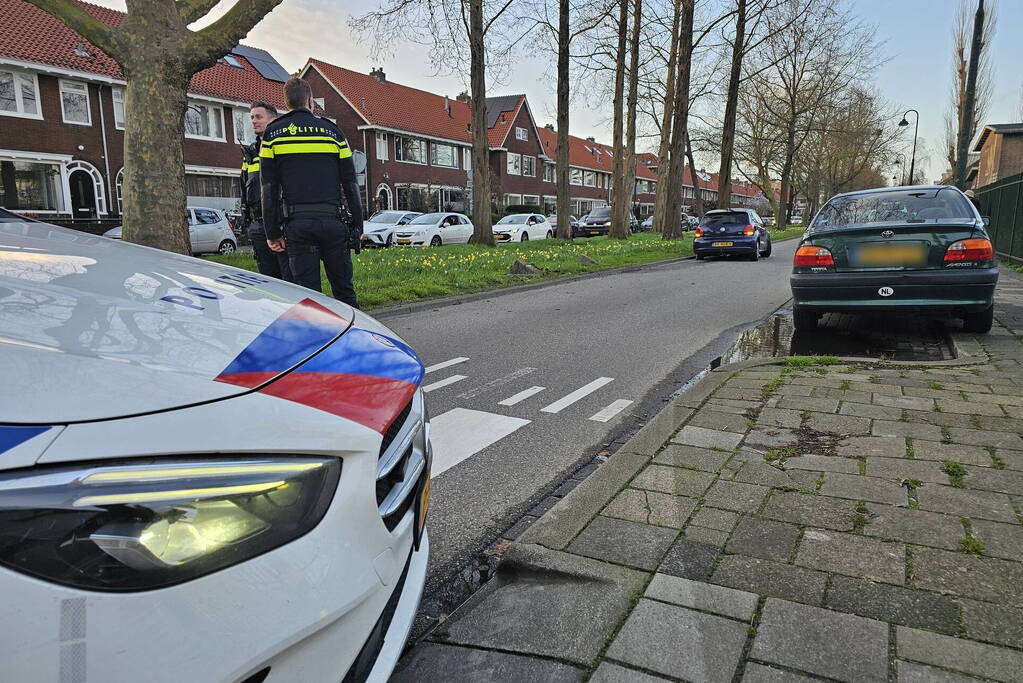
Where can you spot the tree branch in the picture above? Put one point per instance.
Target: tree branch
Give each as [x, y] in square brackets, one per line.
[194, 10]
[217, 39]
[78, 19]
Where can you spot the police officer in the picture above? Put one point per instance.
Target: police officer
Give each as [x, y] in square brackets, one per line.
[305, 166]
[269, 262]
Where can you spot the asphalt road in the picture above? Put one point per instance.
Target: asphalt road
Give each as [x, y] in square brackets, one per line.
[626, 340]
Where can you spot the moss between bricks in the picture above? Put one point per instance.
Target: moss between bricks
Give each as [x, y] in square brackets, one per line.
[810, 361]
[955, 473]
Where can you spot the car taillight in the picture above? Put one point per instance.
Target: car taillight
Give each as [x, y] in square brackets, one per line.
[748, 231]
[975, 249]
[699, 232]
[813, 256]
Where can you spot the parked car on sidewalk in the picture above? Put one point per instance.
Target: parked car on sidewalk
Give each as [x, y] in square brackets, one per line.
[522, 227]
[573, 222]
[921, 249]
[378, 230]
[732, 232]
[435, 229]
[208, 231]
[208, 475]
[598, 222]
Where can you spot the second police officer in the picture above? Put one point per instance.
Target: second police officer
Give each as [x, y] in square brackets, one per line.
[269, 262]
[305, 167]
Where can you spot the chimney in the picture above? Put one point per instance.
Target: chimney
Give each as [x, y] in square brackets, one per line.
[463, 97]
[378, 73]
[590, 139]
[447, 106]
[550, 127]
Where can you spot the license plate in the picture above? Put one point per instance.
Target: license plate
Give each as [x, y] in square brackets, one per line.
[422, 506]
[404, 241]
[594, 232]
[721, 244]
[887, 255]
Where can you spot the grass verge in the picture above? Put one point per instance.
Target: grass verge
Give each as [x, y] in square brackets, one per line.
[384, 277]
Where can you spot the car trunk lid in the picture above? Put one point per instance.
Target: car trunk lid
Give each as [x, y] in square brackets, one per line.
[897, 246]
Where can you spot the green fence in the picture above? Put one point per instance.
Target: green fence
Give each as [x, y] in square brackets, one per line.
[1003, 202]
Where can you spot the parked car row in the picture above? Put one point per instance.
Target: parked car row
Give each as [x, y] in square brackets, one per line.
[209, 231]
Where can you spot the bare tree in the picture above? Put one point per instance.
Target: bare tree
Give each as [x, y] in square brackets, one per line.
[667, 113]
[669, 176]
[451, 27]
[626, 183]
[618, 167]
[962, 33]
[158, 55]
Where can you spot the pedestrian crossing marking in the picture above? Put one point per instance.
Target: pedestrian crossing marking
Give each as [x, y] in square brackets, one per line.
[443, 383]
[445, 364]
[576, 395]
[610, 411]
[521, 396]
[511, 377]
[460, 433]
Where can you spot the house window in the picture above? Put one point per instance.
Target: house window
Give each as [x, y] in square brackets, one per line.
[575, 177]
[590, 179]
[32, 186]
[74, 101]
[211, 186]
[243, 133]
[531, 199]
[443, 155]
[528, 166]
[521, 134]
[204, 122]
[19, 94]
[118, 96]
[467, 158]
[512, 199]
[548, 173]
[382, 146]
[514, 164]
[409, 150]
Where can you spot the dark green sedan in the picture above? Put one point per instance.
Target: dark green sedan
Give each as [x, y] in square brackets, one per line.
[912, 249]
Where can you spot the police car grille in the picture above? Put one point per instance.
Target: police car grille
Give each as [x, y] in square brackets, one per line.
[401, 464]
[394, 428]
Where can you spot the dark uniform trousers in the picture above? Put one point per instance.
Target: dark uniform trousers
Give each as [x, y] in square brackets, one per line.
[268, 262]
[312, 236]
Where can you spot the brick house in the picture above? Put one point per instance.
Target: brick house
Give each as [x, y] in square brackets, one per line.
[62, 118]
[1000, 146]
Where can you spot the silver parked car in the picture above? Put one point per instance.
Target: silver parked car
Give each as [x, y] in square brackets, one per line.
[378, 230]
[209, 231]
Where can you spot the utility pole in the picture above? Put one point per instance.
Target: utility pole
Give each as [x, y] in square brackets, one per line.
[966, 125]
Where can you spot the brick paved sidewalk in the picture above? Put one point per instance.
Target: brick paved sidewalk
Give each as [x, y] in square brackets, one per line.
[845, 522]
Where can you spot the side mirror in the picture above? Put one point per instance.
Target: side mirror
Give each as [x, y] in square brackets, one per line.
[987, 220]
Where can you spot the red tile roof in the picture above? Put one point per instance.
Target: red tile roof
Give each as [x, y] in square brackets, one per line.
[590, 155]
[29, 34]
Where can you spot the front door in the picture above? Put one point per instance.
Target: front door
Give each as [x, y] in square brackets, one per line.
[83, 195]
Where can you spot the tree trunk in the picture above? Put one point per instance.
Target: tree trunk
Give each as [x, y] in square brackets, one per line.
[482, 231]
[630, 126]
[663, 191]
[154, 170]
[561, 170]
[680, 123]
[784, 200]
[697, 190]
[731, 104]
[619, 195]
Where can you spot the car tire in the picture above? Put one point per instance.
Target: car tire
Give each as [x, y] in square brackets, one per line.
[755, 256]
[700, 257]
[804, 320]
[979, 322]
[525, 237]
[767, 252]
[227, 247]
[436, 241]
[550, 234]
[390, 241]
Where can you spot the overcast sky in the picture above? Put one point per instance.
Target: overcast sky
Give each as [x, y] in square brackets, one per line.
[917, 36]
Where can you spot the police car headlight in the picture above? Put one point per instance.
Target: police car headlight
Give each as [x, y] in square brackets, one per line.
[142, 525]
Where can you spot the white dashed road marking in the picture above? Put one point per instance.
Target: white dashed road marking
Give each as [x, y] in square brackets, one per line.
[576, 395]
[443, 383]
[612, 410]
[461, 433]
[473, 393]
[445, 364]
[521, 396]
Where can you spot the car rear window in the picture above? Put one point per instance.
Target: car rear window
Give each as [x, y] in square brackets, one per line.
[901, 206]
[730, 218]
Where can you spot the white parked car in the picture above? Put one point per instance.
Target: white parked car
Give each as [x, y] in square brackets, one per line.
[207, 475]
[435, 229]
[208, 230]
[522, 227]
[378, 230]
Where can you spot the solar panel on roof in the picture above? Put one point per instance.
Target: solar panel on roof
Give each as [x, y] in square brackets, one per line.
[263, 62]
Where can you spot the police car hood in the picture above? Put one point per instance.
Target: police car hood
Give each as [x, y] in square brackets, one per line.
[93, 328]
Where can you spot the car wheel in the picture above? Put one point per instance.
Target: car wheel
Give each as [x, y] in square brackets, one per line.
[525, 237]
[979, 322]
[227, 247]
[550, 234]
[390, 241]
[804, 320]
[767, 252]
[700, 257]
[755, 256]
[436, 241]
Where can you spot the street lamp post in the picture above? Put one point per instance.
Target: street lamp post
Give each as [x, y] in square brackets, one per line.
[916, 128]
[901, 163]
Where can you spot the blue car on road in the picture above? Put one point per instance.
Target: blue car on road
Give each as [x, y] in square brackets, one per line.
[728, 232]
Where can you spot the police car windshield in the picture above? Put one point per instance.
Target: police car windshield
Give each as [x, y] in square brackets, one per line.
[900, 206]
[512, 219]
[387, 217]
[427, 219]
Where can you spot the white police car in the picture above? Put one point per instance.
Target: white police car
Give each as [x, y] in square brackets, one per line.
[205, 475]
